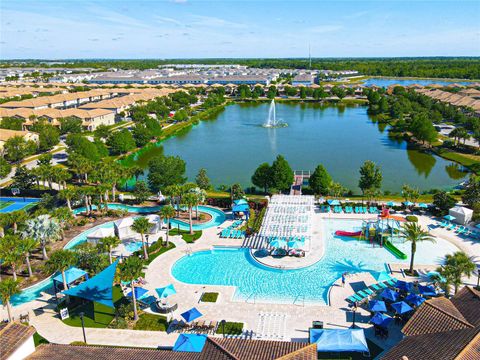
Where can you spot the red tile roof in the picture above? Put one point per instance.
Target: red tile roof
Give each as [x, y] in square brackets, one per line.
[12, 336]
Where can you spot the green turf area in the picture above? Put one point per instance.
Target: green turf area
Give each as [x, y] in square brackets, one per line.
[4, 204]
[95, 315]
[151, 322]
[152, 255]
[231, 328]
[39, 339]
[186, 236]
[209, 297]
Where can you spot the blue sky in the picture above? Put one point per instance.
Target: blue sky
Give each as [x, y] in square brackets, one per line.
[191, 28]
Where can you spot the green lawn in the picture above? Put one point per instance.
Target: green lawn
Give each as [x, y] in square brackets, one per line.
[231, 328]
[152, 256]
[151, 322]
[95, 315]
[186, 235]
[209, 297]
[39, 339]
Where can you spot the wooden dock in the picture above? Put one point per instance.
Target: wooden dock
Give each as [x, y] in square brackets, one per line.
[300, 176]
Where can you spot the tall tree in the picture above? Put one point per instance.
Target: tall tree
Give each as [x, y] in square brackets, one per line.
[202, 179]
[320, 180]
[455, 267]
[60, 260]
[26, 246]
[107, 244]
[413, 233]
[471, 195]
[167, 212]
[5, 168]
[10, 253]
[443, 201]
[262, 177]
[165, 171]
[282, 174]
[141, 192]
[370, 176]
[130, 270]
[189, 200]
[8, 288]
[141, 225]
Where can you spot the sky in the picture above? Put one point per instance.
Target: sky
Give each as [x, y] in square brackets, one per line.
[45, 29]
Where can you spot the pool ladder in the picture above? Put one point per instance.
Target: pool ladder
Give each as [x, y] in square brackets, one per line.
[251, 296]
[297, 299]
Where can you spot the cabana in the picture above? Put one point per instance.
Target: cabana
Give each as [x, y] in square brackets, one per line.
[96, 236]
[123, 228]
[339, 340]
[461, 214]
[156, 223]
[72, 274]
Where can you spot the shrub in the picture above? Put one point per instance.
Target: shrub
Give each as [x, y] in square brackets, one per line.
[209, 297]
[231, 328]
[411, 218]
[118, 323]
[78, 343]
[151, 322]
[126, 311]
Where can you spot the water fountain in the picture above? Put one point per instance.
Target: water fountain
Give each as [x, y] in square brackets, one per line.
[272, 121]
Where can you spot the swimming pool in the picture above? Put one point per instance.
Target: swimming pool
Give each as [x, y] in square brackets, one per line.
[255, 282]
[218, 216]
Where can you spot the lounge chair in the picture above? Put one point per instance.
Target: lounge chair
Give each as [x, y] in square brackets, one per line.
[451, 227]
[382, 285]
[362, 293]
[368, 291]
[443, 224]
[461, 229]
[376, 287]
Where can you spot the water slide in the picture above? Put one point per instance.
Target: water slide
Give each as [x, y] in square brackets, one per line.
[348, 233]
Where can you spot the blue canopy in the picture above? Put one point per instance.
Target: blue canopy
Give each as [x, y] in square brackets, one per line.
[408, 203]
[437, 275]
[381, 319]
[401, 307]
[166, 291]
[390, 203]
[389, 294]
[414, 299]
[190, 343]
[191, 314]
[241, 208]
[423, 205]
[427, 290]
[377, 305]
[139, 292]
[98, 288]
[381, 276]
[71, 275]
[449, 217]
[333, 202]
[240, 202]
[278, 243]
[403, 285]
[296, 244]
[339, 340]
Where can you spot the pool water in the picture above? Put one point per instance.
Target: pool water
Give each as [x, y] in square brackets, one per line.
[133, 246]
[255, 282]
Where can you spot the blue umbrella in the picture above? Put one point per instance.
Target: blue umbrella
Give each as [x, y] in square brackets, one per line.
[389, 294]
[377, 305]
[278, 243]
[296, 244]
[333, 202]
[139, 292]
[191, 314]
[390, 203]
[166, 291]
[408, 203]
[403, 285]
[381, 319]
[401, 307]
[427, 290]
[190, 343]
[423, 205]
[436, 275]
[449, 217]
[414, 299]
[381, 276]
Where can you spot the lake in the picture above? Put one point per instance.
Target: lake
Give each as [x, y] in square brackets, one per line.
[341, 138]
[386, 82]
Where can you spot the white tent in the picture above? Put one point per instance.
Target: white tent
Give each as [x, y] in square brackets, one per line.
[156, 223]
[461, 214]
[339, 340]
[97, 236]
[123, 228]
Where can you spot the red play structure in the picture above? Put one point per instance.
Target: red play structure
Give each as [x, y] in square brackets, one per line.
[348, 233]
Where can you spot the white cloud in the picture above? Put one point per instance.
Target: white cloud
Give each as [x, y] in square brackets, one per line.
[211, 21]
[164, 19]
[322, 29]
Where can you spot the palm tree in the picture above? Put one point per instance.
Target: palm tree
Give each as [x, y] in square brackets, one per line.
[15, 218]
[43, 229]
[141, 225]
[131, 270]
[26, 246]
[414, 233]
[68, 194]
[174, 192]
[8, 288]
[455, 267]
[108, 243]
[200, 194]
[61, 260]
[10, 253]
[167, 212]
[189, 200]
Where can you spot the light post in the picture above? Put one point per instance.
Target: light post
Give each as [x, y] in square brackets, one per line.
[223, 327]
[83, 328]
[354, 312]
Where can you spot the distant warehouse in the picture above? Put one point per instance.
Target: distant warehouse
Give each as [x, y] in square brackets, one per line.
[239, 80]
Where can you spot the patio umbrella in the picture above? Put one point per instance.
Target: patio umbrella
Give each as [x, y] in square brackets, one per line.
[403, 285]
[190, 343]
[377, 305]
[401, 307]
[389, 294]
[477, 226]
[427, 290]
[390, 203]
[139, 292]
[296, 244]
[278, 243]
[381, 319]
[191, 314]
[381, 276]
[414, 299]
[408, 203]
[423, 205]
[449, 217]
[333, 202]
[436, 275]
[166, 291]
